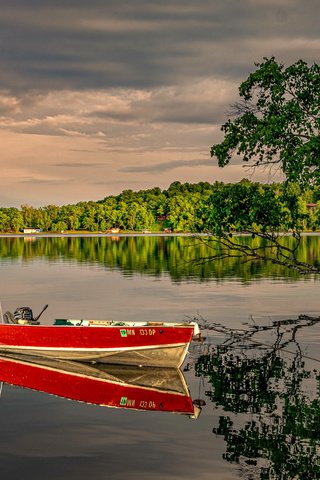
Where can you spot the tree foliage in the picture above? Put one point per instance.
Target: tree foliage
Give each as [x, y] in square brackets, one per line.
[216, 208]
[277, 121]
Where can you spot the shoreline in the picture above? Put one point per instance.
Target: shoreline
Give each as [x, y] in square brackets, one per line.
[96, 234]
[131, 234]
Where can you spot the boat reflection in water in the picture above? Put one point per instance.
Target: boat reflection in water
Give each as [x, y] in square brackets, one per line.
[139, 388]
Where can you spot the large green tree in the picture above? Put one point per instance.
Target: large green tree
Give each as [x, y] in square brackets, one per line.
[277, 121]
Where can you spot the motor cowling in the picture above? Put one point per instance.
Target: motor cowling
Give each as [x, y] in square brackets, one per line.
[23, 313]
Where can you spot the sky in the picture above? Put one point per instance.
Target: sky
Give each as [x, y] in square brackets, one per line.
[101, 96]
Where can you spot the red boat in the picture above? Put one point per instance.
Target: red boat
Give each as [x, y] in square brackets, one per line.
[128, 343]
[156, 389]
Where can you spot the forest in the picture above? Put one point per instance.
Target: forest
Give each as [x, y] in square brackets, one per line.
[216, 208]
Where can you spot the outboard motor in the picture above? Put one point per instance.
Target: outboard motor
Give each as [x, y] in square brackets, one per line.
[23, 313]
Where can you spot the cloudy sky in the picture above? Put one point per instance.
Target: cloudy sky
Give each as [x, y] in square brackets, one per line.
[104, 95]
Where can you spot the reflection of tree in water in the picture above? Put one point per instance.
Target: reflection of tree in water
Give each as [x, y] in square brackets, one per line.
[272, 425]
[157, 255]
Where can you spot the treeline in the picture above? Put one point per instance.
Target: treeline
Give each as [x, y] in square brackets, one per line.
[186, 207]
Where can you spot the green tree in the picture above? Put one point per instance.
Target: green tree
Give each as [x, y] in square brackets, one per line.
[110, 213]
[59, 226]
[182, 211]
[28, 216]
[71, 214]
[50, 215]
[89, 217]
[277, 121]
[16, 219]
[4, 220]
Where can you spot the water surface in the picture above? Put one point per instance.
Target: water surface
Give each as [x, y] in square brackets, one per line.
[154, 278]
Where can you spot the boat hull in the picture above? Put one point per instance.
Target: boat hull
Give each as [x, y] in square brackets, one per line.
[160, 346]
[171, 356]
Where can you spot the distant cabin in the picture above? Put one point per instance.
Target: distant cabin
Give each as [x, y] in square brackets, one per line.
[31, 230]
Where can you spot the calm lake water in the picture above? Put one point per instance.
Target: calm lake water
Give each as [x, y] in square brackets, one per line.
[260, 393]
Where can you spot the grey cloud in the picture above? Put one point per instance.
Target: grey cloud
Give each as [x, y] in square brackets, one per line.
[200, 102]
[54, 45]
[167, 166]
[82, 150]
[122, 183]
[201, 111]
[78, 165]
[144, 83]
[40, 181]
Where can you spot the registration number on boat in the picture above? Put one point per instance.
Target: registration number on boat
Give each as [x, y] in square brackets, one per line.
[147, 331]
[125, 332]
